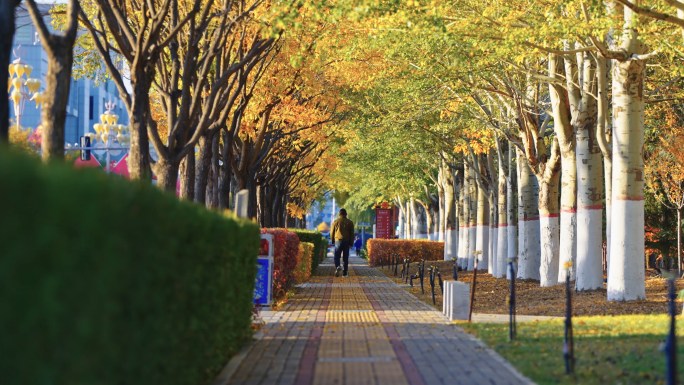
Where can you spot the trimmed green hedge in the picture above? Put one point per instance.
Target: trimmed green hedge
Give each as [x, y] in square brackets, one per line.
[319, 242]
[104, 281]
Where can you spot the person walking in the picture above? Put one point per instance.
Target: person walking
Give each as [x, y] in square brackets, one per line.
[342, 236]
[357, 245]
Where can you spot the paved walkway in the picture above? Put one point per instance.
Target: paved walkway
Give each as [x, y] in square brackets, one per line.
[364, 329]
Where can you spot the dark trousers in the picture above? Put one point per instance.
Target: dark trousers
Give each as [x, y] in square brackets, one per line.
[342, 249]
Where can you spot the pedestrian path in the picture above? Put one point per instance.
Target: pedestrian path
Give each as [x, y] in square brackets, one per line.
[364, 329]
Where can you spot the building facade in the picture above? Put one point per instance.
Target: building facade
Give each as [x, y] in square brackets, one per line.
[87, 97]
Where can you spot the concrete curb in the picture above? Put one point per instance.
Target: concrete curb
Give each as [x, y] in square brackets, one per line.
[232, 366]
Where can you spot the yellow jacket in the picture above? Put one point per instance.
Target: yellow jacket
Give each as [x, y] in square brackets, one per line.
[342, 230]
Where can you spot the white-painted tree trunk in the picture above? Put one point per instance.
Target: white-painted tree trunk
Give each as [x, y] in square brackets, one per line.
[567, 249]
[589, 268]
[549, 177]
[482, 236]
[626, 271]
[402, 217]
[561, 221]
[501, 250]
[608, 185]
[419, 220]
[603, 137]
[441, 211]
[450, 215]
[464, 219]
[493, 258]
[529, 245]
[472, 219]
[549, 225]
[512, 233]
[409, 219]
[566, 140]
[462, 225]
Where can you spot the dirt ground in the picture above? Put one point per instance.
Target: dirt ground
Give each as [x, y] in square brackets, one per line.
[491, 295]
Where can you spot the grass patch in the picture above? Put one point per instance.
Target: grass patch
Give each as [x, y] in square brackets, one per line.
[608, 349]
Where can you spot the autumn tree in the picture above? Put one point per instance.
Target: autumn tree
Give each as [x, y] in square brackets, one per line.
[665, 163]
[7, 19]
[60, 53]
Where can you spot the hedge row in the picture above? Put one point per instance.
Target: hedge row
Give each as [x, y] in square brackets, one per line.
[319, 242]
[303, 268]
[285, 255]
[104, 281]
[381, 251]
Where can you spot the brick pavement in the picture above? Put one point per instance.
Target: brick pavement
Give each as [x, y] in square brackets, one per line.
[364, 329]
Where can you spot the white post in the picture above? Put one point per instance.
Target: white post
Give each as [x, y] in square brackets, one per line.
[241, 203]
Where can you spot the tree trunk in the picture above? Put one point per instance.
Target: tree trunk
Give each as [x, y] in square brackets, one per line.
[450, 215]
[482, 230]
[7, 15]
[472, 218]
[416, 220]
[463, 225]
[573, 98]
[554, 222]
[465, 220]
[53, 115]
[529, 246]
[441, 186]
[402, 218]
[549, 225]
[603, 135]
[167, 174]
[626, 271]
[266, 206]
[226, 175]
[261, 212]
[251, 204]
[60, 53]
[679, 241]
[211, 197]
[212, 185]
[511, 211]
[407, 220]
[187, 177]
[282, 208]
[568, 214]
[492, 263]
[139, 151]
[589, 269]
[202, 168]
[428, 223]
[502, 225]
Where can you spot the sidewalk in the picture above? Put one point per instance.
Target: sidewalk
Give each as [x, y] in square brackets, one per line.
[364, 329]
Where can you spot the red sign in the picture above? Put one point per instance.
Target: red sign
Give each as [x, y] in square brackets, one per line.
[384, 223]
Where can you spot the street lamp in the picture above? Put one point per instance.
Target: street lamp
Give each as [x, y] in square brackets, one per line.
[109, 135]
[22, 87]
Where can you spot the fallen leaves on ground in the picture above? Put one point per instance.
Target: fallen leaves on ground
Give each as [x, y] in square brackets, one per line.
[492, 294]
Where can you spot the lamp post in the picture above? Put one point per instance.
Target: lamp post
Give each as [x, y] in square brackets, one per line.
[21, 87]
[109, 135]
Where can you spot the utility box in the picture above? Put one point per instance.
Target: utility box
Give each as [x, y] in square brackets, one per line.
[456, 300]
[263, 286]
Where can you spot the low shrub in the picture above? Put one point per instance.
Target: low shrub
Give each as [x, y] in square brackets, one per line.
[320, 245]
[303, 268]
[380, 251]
[285, 253]
[106, 281]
